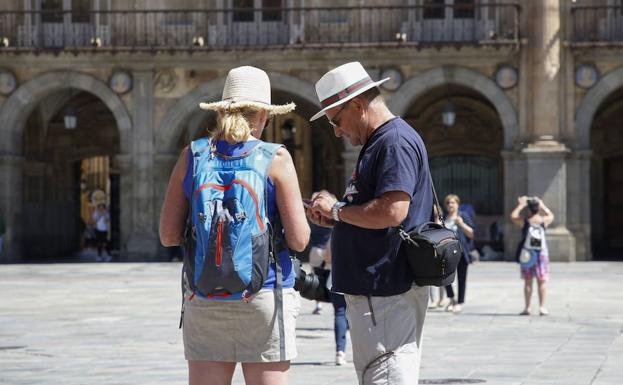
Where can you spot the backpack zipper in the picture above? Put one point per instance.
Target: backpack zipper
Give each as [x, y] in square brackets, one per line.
[219, 243]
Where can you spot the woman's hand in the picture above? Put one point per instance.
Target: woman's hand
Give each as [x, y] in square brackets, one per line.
[522, 201]
[459, 221]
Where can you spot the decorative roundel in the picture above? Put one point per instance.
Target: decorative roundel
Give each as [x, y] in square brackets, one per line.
[8, 82]
[121, 82]
[586, 75]
[506, 77]
[395, 79]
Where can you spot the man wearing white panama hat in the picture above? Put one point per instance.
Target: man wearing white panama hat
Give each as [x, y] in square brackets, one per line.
[389, 187]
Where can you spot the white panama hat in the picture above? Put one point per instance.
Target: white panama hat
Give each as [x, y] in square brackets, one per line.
[341, 84]
[247, 86]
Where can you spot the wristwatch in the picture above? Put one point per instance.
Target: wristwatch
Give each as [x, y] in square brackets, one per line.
[335, 210]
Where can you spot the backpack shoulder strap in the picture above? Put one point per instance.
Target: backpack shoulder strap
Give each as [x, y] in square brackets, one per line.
[198, 149]
[268, 151]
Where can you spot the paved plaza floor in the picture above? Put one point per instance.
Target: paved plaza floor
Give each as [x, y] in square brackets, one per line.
[117, 323]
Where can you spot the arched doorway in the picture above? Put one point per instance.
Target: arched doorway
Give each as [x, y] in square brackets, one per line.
[14, 114]
[607, 178]
[69, 145]
[465, 154]
[423, 90]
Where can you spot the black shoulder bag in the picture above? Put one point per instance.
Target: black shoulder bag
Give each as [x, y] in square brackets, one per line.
[432, 250]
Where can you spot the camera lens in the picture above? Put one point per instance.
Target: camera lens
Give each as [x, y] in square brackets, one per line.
[311, 286]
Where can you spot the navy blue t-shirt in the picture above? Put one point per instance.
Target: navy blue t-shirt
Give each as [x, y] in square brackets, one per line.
[319, 236]
[366, 261]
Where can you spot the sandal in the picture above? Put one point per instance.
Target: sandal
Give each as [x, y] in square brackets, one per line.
[543, 311]
[525, 312]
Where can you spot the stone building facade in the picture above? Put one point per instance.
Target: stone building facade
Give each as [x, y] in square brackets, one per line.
[533, 88]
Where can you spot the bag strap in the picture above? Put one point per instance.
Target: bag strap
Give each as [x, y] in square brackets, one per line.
[435, 200]
[278, 292]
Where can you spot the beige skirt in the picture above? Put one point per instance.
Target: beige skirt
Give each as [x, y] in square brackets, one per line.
[235, 331]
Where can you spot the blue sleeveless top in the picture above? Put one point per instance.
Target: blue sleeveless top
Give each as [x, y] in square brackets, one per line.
[240, 149]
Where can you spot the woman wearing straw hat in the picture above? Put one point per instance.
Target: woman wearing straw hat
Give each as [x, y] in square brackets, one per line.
[221, 331]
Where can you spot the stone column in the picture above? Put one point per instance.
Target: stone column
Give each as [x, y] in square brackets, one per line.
[546, 158]
[515, 178]
[142, 242]
[546, 172]
[544, 66]
[579, 202]
[11, 200]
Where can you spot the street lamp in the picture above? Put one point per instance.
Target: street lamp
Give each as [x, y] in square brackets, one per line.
[71, 120]
[448, 114]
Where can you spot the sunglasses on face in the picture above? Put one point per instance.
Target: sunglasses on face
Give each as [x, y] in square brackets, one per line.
[336, 121]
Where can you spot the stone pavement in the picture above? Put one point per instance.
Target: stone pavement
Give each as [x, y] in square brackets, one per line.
[97, 323]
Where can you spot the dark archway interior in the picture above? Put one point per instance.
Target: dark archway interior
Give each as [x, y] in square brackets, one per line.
[64, 167]
[607, 178]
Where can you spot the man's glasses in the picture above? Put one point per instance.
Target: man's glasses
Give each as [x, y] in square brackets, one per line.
[335, 121]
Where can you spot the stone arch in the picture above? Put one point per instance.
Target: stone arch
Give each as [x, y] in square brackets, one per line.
[411, 90]
[591, 103]
[14, 114]
[172, 125]
[18, 107]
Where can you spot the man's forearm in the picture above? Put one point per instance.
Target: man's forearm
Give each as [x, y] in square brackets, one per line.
[376, 214]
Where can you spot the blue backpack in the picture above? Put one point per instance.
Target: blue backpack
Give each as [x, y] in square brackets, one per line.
[229, 245]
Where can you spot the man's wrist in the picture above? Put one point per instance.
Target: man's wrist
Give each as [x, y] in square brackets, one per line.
[335, 210]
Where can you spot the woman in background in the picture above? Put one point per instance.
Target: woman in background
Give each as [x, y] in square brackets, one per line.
[532, 253]
[463, 225]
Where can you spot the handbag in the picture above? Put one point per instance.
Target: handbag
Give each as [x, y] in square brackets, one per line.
[432, 251]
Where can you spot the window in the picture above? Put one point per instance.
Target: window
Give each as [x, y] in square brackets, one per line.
[271, 10]
[243, 10]
[434, 9]
[80, 11]
[464, 9]
[52, 11]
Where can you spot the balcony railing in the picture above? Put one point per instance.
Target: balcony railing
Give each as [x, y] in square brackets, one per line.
[266, 28]
[597, 25]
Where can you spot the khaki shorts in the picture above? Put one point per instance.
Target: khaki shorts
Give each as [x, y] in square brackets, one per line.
[235, 331]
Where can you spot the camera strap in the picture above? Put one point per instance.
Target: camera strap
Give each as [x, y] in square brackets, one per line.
[275, 231]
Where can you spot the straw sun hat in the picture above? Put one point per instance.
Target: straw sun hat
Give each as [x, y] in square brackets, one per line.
[247, 87]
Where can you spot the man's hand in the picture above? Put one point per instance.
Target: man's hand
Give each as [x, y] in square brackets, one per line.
[320, 211]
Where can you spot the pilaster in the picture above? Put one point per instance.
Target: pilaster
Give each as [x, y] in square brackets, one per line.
[142, 242]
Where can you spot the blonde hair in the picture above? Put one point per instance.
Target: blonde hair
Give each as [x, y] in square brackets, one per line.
[233, 126]
[452, 196]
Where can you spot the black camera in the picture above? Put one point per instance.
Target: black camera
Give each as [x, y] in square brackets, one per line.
[311, 286]
[533, 204]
